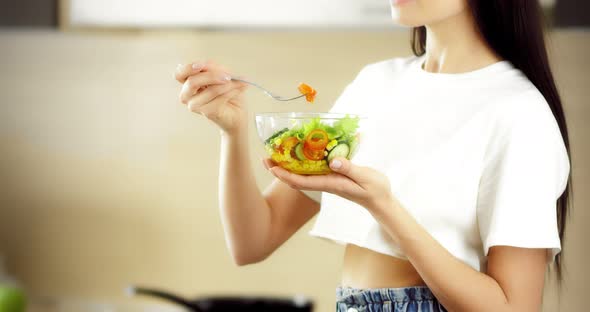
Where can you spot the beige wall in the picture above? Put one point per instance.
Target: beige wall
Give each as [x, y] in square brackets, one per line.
[106, 180]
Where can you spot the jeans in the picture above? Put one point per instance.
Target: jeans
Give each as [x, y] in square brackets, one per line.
[404, 299]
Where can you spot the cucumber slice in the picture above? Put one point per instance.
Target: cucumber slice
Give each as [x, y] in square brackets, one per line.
[341, 150]
[299, 152]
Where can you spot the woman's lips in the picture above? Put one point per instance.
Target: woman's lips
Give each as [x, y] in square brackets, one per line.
[400, 2]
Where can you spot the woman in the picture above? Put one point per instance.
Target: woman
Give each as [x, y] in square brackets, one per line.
[458, 203]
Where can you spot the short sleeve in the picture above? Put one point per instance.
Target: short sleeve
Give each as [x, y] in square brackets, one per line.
[525, 171]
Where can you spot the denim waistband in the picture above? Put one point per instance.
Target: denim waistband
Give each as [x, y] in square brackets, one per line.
[361, 296]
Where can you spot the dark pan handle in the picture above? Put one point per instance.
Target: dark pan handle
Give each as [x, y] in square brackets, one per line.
[133, 290]
[230, 303]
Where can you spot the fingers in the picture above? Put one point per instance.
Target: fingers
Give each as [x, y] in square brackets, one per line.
[345, 167]
[183, 71]
[209, 94]
[213, 109]
[328, 183]
[295, 182]
[268, 163]
[200, 81]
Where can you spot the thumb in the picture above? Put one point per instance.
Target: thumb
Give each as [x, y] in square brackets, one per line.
[345, 167]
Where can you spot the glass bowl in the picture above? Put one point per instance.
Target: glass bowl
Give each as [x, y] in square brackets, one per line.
[304, 143]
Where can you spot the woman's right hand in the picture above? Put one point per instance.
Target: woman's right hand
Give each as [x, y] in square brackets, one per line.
[208, 90]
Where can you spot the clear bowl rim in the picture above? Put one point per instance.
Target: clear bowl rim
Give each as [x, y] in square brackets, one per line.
[307, 115]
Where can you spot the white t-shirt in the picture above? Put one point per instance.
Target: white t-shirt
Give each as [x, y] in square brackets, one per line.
[476, 158]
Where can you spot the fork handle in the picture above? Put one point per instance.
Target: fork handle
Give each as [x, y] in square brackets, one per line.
[276, 97]
[250, 83]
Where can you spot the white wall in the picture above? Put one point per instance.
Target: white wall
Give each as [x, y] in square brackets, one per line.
[225, 13]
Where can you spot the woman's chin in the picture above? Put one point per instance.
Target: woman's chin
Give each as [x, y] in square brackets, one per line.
[404, 19]
[409, 15]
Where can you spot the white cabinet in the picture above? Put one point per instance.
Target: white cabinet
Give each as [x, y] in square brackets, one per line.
[231, 13]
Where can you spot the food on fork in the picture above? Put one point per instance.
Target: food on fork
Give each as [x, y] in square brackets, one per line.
[308, 91]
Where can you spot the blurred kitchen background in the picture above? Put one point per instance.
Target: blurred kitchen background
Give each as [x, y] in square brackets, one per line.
[106, 180]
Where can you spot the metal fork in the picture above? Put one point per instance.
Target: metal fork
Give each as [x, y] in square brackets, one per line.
[274, 96]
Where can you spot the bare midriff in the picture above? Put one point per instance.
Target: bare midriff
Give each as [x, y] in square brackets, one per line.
[364, 268]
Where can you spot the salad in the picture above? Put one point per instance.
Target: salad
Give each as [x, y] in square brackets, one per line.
[307, 148]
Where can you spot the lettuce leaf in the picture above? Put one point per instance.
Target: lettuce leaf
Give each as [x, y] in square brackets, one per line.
[347, 127]
[342, 130]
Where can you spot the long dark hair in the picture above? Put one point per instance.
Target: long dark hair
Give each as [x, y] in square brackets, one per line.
[514, 30]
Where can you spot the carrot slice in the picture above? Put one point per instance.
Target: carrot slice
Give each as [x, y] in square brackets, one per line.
[309, 92]
[317, 140]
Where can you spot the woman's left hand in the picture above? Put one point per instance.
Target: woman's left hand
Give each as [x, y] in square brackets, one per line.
[362, 185]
